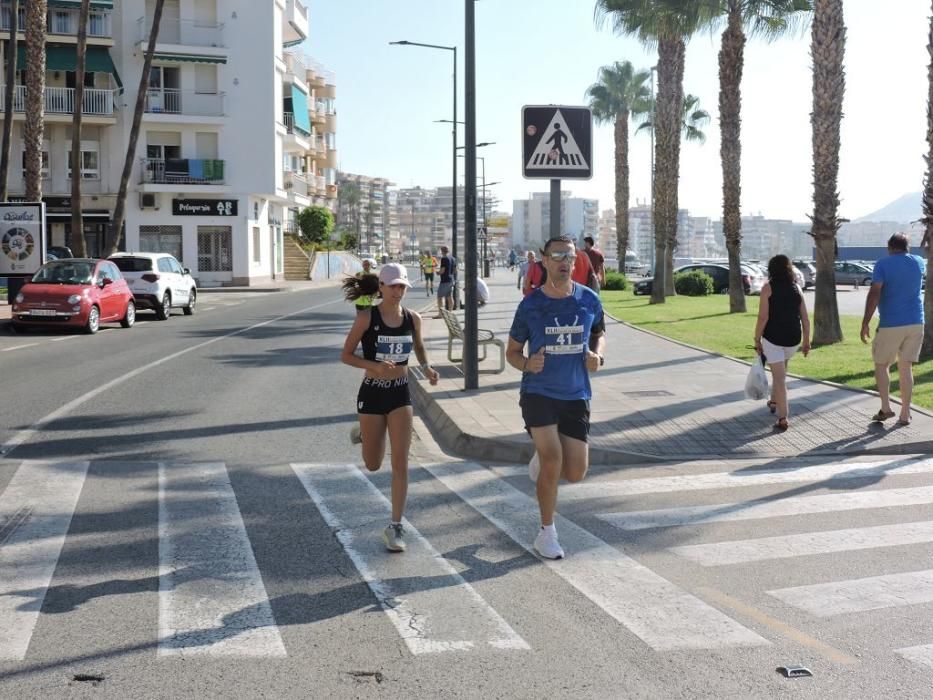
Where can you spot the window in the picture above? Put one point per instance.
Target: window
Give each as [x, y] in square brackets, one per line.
[90, 161]
[160, 239]
[60, 22]
[165, 265]
[45, 161]
[257, 250]
[215, 248]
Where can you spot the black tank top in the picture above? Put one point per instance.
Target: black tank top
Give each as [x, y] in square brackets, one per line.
[381, 342]
[783, 326]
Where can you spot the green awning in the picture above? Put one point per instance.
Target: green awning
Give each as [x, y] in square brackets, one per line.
[97, 60]
[300, 110]
[76, 4]
[187, 58]
[292, 43]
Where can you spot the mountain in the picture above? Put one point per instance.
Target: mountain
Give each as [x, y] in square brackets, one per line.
[902, 210]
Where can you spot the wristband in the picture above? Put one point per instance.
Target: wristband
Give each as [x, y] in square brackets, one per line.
[425, 367]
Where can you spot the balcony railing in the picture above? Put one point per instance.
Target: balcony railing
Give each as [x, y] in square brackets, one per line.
[183, 31]
[187, 102]
[296, 63]
[59, 100]
[63, 22]
[297, 183]
[183, 171]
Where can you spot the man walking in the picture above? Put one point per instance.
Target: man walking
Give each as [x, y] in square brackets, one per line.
[445, 282]
[523, 267]
[563, 326]
[597, 260]
[427, 267]
[895, 292]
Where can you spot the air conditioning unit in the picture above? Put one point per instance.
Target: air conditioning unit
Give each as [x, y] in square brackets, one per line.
[148, 200]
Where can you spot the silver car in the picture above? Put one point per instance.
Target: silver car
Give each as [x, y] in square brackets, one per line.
[852, 273]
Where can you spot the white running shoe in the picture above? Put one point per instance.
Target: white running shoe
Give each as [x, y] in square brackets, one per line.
[393, 537]
[534, 468]
[355, 437]
[546, 544]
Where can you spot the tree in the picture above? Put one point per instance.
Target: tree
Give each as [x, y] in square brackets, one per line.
[693, 121]
[119, 212]
[620, 94]
[926, 351]
[78, 244]
[316, 223]
[667, 24]
[828, 50]
[35, 97]
[8, 95]
[769, 18]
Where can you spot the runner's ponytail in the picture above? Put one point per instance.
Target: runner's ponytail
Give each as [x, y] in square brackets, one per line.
[367, 284]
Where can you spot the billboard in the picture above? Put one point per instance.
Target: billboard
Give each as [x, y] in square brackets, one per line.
[22, 237]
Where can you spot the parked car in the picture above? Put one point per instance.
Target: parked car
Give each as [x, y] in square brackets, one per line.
[808, 270]
[852, 273]
[158, 282]
[77, 292]
[57, 252]
[719, 273]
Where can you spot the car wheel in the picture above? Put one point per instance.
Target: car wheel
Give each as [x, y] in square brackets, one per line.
[724, 290]
[867, 281]
[129, 318]
[164, 310]
[93, 321]
[192, 301]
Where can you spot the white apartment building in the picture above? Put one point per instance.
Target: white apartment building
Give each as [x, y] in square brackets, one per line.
[238, 132]
[531, 219]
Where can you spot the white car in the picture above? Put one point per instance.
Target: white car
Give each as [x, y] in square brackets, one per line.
[158, 282]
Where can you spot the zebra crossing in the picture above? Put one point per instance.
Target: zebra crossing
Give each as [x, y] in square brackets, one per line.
[213, 601]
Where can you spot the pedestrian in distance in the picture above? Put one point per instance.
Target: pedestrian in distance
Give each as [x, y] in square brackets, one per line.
[365, 301]
[895, 293]
[445, 282]
[513, 258]
[783, 326]
[557, 340]
[597, 260]
[523, 267]
[427, 268]
[388, 333]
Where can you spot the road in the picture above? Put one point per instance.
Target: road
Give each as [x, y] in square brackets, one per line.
[180, 517]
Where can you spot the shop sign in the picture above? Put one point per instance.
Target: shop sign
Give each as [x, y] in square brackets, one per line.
[22, 237]
[204, 207]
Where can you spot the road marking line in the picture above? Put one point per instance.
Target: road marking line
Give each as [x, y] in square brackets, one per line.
[783, 628]
[806, 544]
[430, 604]
[209, 308]
[858, 595]
[768, 508]
[660, 613]
[212, 601]
[19, 347]
[922, 654]
[64, 337]
[37, 507]
[69, 408]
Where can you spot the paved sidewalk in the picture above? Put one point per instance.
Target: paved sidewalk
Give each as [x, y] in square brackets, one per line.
[655, 399]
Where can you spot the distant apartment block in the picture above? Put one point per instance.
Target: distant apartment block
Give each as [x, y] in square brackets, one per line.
[425, 216]
[763, 238]
[531, 219]
[367, 208]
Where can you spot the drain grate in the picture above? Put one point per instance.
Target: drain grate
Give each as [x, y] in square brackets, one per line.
[647, 394]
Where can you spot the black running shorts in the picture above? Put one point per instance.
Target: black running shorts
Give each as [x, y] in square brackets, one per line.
[572, 418]
[382, 396]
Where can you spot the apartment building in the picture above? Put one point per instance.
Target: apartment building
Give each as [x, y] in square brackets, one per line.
[367, 208]
[531, 218]
[237, 136]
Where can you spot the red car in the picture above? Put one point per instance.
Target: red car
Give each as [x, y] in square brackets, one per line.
[78, 292]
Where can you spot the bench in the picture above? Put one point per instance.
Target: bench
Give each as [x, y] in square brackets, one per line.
[484, 338]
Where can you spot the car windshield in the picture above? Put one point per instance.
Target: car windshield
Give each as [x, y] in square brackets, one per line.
[132, 264]
[65, 272]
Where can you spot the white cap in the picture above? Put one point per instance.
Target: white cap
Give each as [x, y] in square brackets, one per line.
[393, 273]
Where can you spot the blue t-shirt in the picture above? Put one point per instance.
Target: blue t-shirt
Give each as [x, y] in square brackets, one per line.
[901, 303]
[562, 327]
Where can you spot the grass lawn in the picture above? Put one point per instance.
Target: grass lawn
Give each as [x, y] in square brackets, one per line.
[705, 322]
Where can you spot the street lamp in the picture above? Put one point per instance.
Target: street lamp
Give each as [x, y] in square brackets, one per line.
[483, 160]
[453, 195]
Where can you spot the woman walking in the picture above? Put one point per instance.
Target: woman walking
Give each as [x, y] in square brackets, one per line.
[388, 333]
[783, 325]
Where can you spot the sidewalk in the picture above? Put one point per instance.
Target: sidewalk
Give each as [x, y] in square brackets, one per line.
[655, 399]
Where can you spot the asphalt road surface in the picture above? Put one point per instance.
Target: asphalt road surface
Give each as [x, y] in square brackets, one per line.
[180, 516]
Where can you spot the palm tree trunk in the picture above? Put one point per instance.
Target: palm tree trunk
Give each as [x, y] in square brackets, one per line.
[33, 129]
[8, 93]
[731, 64]
[119, 213]
[78, 243]
[926, 351]
[828, 51]
[622, 187]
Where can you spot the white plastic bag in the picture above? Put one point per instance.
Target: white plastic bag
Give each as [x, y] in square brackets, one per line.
[756, 384]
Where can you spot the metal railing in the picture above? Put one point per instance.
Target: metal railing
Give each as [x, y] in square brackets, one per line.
[297, 183]
[59, 100]
[183, 31]
[296, 63]
[63, 22]
[173, 101]
[185, 171]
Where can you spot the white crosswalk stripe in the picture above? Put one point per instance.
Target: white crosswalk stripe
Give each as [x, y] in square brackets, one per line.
[35, 512]
[433, 608]
[922, 654]
[858, 595]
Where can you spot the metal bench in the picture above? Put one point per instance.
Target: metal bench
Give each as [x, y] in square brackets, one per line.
[484, 338]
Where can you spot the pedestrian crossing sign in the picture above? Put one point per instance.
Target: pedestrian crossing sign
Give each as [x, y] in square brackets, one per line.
[557, 142]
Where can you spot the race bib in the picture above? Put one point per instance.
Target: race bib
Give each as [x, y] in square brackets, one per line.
[564, 340]
[393, 348]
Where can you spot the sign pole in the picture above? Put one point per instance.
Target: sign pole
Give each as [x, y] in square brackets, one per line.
[554, 231]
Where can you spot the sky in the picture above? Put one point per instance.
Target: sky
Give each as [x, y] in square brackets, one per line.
[534, 52]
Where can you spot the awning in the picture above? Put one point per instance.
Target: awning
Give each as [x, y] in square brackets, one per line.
[292, 43]
[97, 59]
[300, 109]
[76, 4]
[187, 58]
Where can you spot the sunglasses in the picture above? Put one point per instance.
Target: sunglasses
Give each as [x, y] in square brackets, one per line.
[560, 257]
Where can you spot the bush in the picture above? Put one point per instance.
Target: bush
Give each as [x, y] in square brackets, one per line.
[693, 284]
[615, 281]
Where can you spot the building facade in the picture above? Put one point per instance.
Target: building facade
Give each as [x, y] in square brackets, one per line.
[367, 208]
[531, 219]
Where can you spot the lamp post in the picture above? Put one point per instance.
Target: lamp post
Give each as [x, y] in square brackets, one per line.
[453, 194]
[483, 161]
[654, 121]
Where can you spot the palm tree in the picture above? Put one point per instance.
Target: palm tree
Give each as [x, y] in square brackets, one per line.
[620, 94]
[827, 49]
[119, 212]
[926, 351]
[693, 121]
[769, 18]
[35, 97]
[667, 24]
[8, 93]
[78, 244]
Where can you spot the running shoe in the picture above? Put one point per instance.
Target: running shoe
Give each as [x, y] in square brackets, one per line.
[393, 537]
[546, 544]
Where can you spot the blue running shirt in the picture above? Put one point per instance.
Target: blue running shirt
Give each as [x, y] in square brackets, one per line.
[901, 302]
[562, 327]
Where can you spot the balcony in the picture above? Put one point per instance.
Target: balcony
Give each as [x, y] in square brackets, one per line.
[59, 100]
[184, 102]
[182, 32]
[63, 22]
[295, 29]
[182, 171]
[297, 184]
